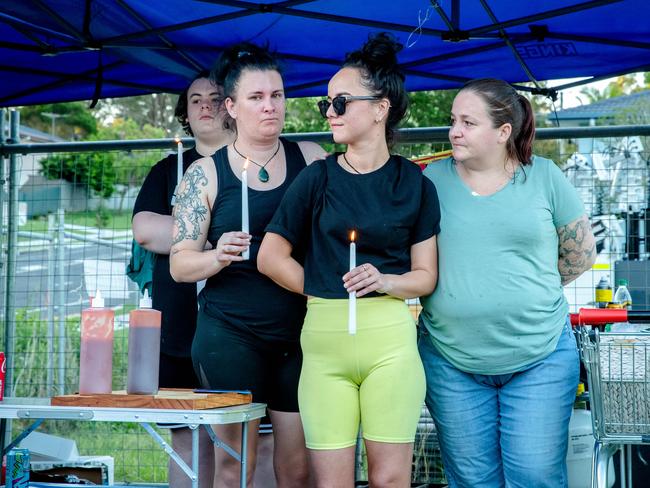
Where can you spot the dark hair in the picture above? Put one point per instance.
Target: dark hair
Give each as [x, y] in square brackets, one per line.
[231, 64]
[180, 112]
[377, 62]
[507, 106]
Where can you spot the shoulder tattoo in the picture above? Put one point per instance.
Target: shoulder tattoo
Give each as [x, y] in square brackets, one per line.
[190, 211]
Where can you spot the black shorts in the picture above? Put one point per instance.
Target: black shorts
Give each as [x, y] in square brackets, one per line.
[230, 358]
[177, 372]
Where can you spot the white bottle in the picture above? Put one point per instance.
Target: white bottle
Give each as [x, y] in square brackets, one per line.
[580, 449]
[581, 445]
[623, 299]
[622, 296]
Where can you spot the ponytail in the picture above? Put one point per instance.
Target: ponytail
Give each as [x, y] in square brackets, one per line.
[523, 141]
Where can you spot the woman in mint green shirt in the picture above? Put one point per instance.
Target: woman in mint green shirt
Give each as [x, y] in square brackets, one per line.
[500, 359]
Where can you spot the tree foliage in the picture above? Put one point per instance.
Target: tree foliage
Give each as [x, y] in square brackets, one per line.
[93, 170]
[427, 109]
[155, 110]
[622, 85]
[74, 120]
[303, 116]
[101, 171]
[132, 167]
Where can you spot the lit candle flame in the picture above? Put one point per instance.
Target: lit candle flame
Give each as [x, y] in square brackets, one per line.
[245, 165]
[353, 235]
[177, 139]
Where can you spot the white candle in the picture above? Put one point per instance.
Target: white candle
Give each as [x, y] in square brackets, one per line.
[244, 204]
[352, 297]
[179, 161]
[179, 168]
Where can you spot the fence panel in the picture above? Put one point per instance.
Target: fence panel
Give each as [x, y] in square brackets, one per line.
[73, 236]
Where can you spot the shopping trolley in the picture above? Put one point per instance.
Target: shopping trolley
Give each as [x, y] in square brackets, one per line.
[618, 372]
[427, 470]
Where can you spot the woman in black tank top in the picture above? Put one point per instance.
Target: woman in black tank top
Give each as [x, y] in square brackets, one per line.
[248, 328]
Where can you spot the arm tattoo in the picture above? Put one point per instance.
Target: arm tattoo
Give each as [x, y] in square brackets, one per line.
[189, 210]
[577, 249]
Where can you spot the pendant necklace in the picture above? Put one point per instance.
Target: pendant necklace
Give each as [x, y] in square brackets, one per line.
[262, 174]
[348, 163]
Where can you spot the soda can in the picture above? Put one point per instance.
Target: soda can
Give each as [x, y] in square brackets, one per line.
[3, 371]
[18, 468]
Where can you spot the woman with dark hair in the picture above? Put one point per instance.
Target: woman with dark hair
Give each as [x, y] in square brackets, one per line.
[500, 358]
[248, 327]
[200, 112]
[373, 374]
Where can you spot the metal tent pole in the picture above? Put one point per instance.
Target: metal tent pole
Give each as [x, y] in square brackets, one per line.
[12, 245]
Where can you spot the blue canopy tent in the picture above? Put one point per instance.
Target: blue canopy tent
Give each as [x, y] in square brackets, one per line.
[62, 50]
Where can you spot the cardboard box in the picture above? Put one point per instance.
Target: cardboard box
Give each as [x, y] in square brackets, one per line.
[46, 447]
[96, 469]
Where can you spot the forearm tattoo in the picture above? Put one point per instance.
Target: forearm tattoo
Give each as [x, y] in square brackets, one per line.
[577, 249]
[190, 211]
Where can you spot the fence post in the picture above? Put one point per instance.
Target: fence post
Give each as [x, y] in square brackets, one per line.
[3, 282]
[51, 268]
[60, 251]
[3, 181]
[12, 244]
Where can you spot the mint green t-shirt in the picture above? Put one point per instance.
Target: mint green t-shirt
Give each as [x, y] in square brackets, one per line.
[499, 304]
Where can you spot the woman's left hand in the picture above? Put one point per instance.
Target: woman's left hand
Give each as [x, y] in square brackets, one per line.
[365, 279]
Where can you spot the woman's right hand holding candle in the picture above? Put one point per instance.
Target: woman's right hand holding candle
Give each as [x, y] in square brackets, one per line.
[230, 247]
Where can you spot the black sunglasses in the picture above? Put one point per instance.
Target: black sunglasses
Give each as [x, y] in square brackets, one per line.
[340, 102]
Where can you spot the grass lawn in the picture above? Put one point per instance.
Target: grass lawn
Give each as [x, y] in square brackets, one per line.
[103, 219]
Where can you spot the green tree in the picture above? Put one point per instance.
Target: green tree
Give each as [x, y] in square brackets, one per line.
[303, 116]
[73, 120]
[427, 109]
[155, 110]
[94, 170]
[430, 108]
[102, 171]
[622, 85]
[131, 167]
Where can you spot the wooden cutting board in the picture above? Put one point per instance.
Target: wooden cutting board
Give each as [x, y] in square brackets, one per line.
[166, 398]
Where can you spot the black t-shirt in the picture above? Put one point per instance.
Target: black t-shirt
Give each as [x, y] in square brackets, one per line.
[239, 294]
[391, 209]
[176, 301]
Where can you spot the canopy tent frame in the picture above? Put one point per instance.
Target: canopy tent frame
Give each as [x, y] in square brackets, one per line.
[110, 51]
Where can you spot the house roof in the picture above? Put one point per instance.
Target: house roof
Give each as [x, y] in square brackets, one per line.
[34, 135]
[38, 135]
[607, 108]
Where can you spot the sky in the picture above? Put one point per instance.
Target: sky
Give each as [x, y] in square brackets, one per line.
[572, 96]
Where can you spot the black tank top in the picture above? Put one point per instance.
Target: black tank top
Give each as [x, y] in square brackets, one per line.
[239, 294]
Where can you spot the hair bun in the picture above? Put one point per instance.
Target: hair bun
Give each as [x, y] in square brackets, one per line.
[241, 54]
[379, 53]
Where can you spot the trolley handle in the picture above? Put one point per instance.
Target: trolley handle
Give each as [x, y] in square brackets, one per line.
[602, 316]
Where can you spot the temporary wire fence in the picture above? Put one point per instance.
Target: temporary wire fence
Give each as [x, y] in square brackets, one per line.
[65, 214]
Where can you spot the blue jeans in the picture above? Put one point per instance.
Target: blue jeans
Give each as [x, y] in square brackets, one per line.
[507, 430]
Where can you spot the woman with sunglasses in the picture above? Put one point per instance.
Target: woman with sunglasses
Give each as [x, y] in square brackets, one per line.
[374, 375]
[247, 335]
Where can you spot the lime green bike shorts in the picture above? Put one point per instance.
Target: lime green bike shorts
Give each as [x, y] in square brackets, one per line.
[374, 378]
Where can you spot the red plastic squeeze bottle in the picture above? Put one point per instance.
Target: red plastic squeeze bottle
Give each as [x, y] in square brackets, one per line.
[144, 349]
[96, 361]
